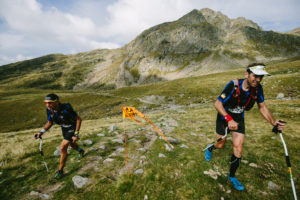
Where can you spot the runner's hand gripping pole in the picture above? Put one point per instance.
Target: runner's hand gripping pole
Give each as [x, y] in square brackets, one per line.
[287, 158]
[218, 140]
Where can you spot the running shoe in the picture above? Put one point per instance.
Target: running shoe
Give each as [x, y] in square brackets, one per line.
[237, 185]
[58, 175]
[208, 155]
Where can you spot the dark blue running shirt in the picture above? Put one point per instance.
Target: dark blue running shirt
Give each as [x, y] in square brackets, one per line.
[65, 116]
[230, 102]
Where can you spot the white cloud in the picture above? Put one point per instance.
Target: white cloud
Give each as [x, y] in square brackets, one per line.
[37, 27]
[27, 17]
[138, 15]
[128, 18]
[49, 31]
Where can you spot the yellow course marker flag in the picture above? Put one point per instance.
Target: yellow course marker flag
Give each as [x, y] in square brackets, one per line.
[131, 112]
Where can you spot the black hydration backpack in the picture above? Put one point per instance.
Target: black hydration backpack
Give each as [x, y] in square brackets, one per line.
[236, 94]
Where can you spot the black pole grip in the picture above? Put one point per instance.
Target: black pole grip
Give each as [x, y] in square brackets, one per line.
[275, 128]
[42, 153]
[287, 158]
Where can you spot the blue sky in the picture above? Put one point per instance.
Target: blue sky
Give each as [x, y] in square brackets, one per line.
[33, 28]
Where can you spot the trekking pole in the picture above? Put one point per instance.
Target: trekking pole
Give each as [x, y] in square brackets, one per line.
[42, 153]
[287, 158]
[81, 143]
[218, 140]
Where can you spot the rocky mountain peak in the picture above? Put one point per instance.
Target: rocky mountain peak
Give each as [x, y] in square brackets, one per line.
[201, 42]
[216, 18]
[193, 17]
[242, 22]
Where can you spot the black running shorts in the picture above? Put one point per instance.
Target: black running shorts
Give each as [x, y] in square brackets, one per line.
[68, 133]
[222, 124]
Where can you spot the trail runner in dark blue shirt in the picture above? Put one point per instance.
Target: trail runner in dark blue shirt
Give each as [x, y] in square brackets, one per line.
[64, 115]
[238, 96]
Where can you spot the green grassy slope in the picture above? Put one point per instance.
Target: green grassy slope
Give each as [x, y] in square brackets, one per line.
[23, 108]
[180, 175]
[53, 71]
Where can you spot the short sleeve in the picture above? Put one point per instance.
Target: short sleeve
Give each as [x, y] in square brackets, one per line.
[226, 93]
[49, 118]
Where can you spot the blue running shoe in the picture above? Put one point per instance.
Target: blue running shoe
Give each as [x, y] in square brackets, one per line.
[208, 155]
[237, 185]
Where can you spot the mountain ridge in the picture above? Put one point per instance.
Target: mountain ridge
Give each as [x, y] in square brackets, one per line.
[200, 42]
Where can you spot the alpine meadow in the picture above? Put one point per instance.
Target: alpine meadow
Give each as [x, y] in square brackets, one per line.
[173, 73]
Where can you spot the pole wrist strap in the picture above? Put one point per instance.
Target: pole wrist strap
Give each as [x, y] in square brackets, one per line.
[76, 133]
[42, 131]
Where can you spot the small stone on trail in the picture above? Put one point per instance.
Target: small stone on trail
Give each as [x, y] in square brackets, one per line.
[88, 142]
[141, 149]
[108, 160]
[253, 165]
[120, 141]
[161, 155]
[245, 161]
[273, 186]
[172, 140]
[221, 187]
[32, 193]
[280, 96]
[168, 148]
[99, 157]
[212, 173]
[139, 171]
[44, 196]
[80, 181]
[184, 146]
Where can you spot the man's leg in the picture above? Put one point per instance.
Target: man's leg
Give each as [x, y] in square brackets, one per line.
[218, 145]
[63, 153]
[220, 132]
[237, 141]
[75, 146]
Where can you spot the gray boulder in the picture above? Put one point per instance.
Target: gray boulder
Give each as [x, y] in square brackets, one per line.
[139, 171]
[88, 142]
[280, 96]
[80, 181]
[273, 186]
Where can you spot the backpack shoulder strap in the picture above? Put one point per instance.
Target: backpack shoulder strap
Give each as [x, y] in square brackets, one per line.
[236, 87]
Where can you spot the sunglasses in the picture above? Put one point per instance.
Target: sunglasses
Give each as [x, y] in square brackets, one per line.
[50, 103]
